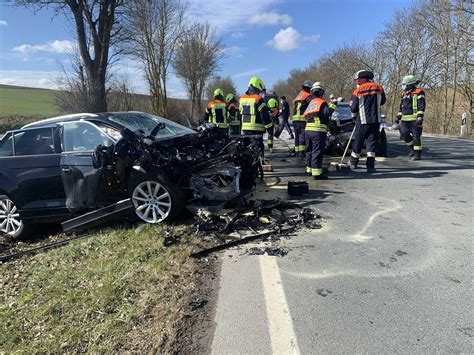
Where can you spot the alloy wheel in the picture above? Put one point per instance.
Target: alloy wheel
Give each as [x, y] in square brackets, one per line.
[152, 201]
[10, 221]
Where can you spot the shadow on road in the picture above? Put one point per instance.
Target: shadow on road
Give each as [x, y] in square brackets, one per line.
[392, 174]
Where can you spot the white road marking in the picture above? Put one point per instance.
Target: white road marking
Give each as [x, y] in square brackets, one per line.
[360, 236]
[280, 324]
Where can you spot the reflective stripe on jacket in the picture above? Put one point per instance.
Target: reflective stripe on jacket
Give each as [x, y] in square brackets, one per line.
[317, 115]
[366, 101]
[412, 105]
[217, 113]
[254, 113]
[301, 102]
[233, 113]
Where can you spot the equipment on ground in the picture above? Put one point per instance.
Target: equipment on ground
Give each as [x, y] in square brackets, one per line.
[334, 166]
[298, 188]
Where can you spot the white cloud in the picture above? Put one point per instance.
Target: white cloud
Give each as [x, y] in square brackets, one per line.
[56, 46]
[3, 23]
[270, 18]
[290, 39]
[285, 40]
[227, 16]
[250, 72]
[312, 38]
[30, 78]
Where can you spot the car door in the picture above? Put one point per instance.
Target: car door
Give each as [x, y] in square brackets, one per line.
[85, 184]
[31, 174]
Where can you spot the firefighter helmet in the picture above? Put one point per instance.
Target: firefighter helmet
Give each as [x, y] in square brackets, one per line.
[272, 103]
[218, 92]
[317, 86]
[410, 80]
[257, 83]
[307, 84]
[367, 74]
[229, 97]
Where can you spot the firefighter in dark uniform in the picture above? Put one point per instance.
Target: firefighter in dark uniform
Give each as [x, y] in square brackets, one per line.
[317, 117]
[301, 102]
[365, 106]
[273, 112]
[216, 112]
[254, 112]
[284, 115]
[411, 114]
[233, 117]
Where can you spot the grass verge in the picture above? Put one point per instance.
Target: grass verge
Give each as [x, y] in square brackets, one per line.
[116, 291]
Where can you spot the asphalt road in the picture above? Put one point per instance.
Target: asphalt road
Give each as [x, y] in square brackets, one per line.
[391, 271]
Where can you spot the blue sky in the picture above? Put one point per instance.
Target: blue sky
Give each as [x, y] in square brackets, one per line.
[267, 38]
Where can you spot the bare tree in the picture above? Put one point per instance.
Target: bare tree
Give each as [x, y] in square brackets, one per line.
[74, 90]
[198, 57]
[96, 29]
[152, 30]
[121, 96]
[226, 84]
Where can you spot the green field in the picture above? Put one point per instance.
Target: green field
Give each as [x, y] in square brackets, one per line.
[20, 105]
[19, 101]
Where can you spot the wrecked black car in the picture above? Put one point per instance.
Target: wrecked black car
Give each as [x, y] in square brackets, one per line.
[340, 129]
[59, 168]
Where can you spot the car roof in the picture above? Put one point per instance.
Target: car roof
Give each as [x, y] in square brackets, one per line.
[59, 119]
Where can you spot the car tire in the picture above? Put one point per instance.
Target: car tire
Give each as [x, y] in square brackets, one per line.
[381, 147]
[10, 220]
[156, 199]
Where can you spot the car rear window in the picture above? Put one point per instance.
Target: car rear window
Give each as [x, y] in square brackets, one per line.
[34, 142]
[6, 146]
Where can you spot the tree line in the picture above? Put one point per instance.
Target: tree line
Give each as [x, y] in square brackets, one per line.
[432, 39]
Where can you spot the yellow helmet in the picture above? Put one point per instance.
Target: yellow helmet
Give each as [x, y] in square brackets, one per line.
[218, 92]
[229, 97]
[257, 83]
[272, 103]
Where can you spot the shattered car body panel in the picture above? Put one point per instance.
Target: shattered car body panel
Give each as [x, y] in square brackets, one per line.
[97, 160]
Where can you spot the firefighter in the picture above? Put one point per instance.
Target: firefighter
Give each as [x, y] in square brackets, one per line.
[301, 102]
[216, 112]
[233, 114]
[273, 112]
[254, 112]
[317, 121]
[412, 110]
[365, 106]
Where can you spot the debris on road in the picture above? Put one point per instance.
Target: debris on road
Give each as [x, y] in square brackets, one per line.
[269, 219]
[272, 250]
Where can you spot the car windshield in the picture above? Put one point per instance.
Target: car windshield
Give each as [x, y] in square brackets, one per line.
[342, 111]
[135, 121]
